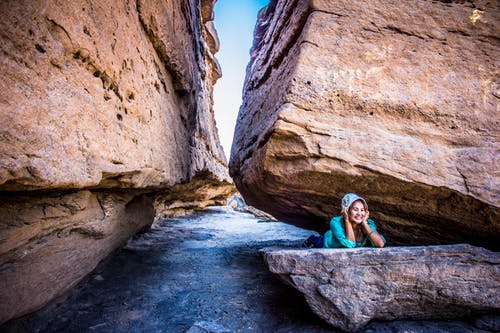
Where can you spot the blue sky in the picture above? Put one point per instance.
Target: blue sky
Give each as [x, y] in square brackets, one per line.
[235, 22]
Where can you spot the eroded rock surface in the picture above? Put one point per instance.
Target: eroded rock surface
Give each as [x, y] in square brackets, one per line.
[99, 94]
[396, 101]
[350, 287]
[106, 117]
[48, 244]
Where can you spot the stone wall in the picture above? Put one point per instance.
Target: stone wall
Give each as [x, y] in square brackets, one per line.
[396, 101]
[106, 114]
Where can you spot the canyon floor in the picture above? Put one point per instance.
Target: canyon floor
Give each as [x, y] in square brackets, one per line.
[199, 273]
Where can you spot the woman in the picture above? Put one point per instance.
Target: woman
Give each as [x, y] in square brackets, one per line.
[352, 229]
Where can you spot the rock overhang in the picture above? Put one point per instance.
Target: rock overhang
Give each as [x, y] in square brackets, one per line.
[356, 97]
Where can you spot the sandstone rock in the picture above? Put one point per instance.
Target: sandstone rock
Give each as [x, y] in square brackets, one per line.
[106, 114]
[48, 244]
[237, 203]
[105, 95]
[396, 101]
[350, 287]
[200, 192]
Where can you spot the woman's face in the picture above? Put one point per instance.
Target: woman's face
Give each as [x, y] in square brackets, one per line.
[357, 212]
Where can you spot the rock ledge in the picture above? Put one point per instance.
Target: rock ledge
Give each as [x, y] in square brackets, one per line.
[350, 287]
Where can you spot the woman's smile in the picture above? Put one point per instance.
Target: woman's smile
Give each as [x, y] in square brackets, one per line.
[357, 212]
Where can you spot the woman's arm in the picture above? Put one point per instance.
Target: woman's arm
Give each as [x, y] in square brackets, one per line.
[372, 233]
[336, 237]
[349, 232]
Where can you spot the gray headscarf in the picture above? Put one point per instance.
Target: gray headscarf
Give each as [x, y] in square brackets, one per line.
[349, 198]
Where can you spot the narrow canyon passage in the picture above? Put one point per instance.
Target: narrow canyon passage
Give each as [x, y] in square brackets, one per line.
[107, 113]
[204, 268]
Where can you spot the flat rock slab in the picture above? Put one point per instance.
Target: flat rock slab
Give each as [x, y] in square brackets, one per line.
[350, 287]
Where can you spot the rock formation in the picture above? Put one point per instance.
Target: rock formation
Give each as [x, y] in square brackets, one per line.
[237, 203]
[106, 119]
[396, 101]
[350, 287]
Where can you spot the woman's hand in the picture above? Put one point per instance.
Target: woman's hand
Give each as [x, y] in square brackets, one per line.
[345, 214]
[366, 228]
[367, 216]
[349, 232]
[377, 240]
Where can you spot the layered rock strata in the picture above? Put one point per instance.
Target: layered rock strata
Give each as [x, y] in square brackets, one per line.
[106, 117]
[396, 101]
[350, 287]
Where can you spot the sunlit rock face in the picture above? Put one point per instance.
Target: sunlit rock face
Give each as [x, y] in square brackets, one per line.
[106, 114]
[396, 101]
[350, 287]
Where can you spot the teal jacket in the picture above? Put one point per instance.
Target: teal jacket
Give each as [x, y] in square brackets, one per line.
[336, 237]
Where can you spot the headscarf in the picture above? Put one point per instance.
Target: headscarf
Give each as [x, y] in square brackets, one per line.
[349, 198]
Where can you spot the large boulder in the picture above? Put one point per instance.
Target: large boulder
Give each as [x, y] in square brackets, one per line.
[350, 287]
[106, 120]
[394, 100]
